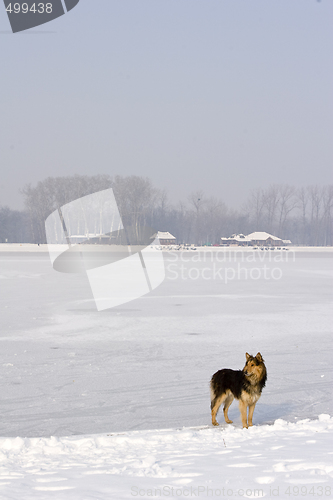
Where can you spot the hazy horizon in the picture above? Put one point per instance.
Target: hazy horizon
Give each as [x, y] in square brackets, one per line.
[222, 97]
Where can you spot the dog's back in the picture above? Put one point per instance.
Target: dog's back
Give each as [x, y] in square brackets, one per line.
[224, 380]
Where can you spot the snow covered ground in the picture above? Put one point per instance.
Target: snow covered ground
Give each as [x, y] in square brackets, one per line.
[115, 404]
[280, 460]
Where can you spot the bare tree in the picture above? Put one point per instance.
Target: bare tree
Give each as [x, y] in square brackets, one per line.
[303, 202]
[198, 202]
[214, 220]
[287, 203]
[316, 200]
[161, 211]
[328, 215]
[255, 207]
[183, 223]
[136, 199]
[271, 203]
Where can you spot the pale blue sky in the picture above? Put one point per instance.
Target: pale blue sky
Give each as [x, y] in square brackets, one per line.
[218, 95]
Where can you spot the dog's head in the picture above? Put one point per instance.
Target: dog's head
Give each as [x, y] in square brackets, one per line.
[255, 368]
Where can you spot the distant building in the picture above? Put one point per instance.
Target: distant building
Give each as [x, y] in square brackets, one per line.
[259, 238]
[265, 239]
[236, 239]
[165, 238]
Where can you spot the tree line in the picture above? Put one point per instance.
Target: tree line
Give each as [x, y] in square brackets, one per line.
[303, 215]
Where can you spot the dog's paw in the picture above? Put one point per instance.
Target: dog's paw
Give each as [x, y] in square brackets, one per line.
[229, 421]
[215, 423]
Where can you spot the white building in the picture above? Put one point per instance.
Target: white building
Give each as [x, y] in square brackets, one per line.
[259, 238]
[264, 239]
[236, 239]
[165, 238]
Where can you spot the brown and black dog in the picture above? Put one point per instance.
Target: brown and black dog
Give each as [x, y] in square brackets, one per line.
[245, 385]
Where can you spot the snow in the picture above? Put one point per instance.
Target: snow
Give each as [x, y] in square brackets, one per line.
[206, 460]
[115, 404]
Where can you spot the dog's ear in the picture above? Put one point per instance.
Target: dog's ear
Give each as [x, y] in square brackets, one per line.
[259, 357]
[247, 355]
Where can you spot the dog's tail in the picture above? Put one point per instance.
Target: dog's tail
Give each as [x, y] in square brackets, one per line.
[212, 394]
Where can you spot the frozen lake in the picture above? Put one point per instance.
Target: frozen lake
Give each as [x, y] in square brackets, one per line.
[68, 369]
[115, 404]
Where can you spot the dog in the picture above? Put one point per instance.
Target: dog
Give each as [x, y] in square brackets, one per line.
[245, 385]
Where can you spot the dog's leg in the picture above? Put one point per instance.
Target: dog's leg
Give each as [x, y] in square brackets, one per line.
[227, 403]
[243, 411]
[251, 410]
[216, 403]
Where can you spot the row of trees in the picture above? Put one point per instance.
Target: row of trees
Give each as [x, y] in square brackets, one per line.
[303, 215]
